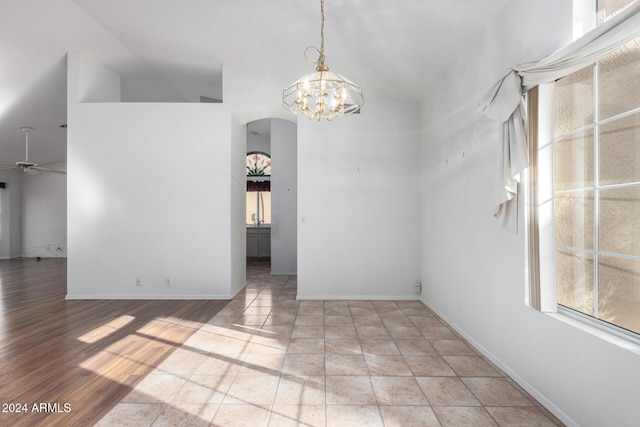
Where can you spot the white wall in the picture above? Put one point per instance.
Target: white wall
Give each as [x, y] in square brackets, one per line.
[284, 197]
[473, 270]
[258, 143]
[11, 218]
[358, 204]
[149, 195]
[157, 190]
[237, 207]
[96, 83]
[44, 213]
[33, 214]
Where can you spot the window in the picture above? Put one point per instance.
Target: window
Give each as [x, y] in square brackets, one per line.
[608, 8]
[258, 189]
[594, 211]
[258, 164]
[258, 208]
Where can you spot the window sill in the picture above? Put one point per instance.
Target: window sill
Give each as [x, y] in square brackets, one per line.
[594, 328]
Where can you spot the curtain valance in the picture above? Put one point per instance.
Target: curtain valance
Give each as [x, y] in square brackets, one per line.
[258, 186]
[505, 103]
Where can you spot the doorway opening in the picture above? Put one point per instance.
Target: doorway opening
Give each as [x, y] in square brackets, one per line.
[271, 194]
[258, 206]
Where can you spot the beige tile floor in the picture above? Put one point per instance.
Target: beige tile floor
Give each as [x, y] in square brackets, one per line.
[267, 359]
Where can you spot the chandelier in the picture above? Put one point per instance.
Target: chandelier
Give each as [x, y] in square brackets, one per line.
[323, 94]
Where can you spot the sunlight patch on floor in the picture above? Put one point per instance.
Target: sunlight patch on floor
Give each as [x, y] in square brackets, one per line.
[105, 330]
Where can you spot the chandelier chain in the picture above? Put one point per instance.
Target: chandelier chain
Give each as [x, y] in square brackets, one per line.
[320, 65]
[321, 59]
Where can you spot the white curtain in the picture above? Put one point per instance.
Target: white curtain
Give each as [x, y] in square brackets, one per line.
[505, 103]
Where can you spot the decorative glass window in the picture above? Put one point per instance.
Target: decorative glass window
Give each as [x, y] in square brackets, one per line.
[258, 164]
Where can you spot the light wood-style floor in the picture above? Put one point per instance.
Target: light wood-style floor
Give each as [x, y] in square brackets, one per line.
[74, 360]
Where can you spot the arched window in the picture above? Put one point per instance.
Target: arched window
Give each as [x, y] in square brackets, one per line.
[258, 164]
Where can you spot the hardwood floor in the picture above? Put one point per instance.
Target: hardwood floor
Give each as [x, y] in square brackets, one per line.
[69, 362]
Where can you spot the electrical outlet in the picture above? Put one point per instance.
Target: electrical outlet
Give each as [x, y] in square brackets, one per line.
[138, 281]
[417, 287]
[167, 282]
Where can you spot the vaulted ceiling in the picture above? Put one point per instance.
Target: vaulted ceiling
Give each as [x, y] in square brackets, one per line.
[397, 48]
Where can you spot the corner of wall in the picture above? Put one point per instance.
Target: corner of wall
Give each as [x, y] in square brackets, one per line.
[11, 242]
[90, 81]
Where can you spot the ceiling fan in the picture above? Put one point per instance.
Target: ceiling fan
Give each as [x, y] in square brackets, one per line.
[27, 166]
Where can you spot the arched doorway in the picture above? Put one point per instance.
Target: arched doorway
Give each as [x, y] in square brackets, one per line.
[271, 199]
[282, 122]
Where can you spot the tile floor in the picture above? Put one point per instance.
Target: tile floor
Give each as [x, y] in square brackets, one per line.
[267, 359]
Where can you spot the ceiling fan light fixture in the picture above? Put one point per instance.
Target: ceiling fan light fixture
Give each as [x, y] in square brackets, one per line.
[322, 94]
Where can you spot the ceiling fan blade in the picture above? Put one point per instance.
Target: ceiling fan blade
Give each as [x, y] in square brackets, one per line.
[41, 169]
[7, 167]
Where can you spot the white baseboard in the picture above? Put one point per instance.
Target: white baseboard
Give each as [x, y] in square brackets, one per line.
[360, 297]
[148, 297]
[544, 401]
[44, 257]
[236, 292]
